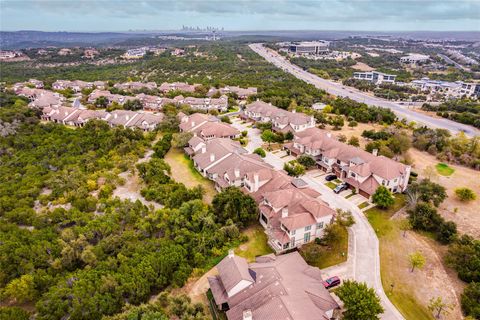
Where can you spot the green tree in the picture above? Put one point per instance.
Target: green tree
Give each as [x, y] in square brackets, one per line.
[470, 300]
[428, 191]
[360, 302]
[260, 152]
[180, 140]
[438, 307]
[383, 197]
[268, 136]
[232, 204]
[405, 226]
[225, 119]
[133, 104]
[295, 169]
[21, 289]
[13, 313]
[465, 194]
[417, 260]
[306, 161]
[353, 141]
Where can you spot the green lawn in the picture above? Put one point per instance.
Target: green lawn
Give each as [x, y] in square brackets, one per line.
[331, 185]
[389, 235]
[363, 205]
[324, 256]
[337, 181]
[350, 195]
[257, 244]
[444, 169]
[183, 171]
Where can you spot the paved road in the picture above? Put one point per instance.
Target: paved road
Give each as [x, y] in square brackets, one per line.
[456, 64]
[363, 263]
[340, 90]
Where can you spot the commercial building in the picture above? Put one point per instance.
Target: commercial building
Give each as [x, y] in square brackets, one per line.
[273, 287]
[471, 90]
[375, 77]
[449, 89]
[309, 47]
[414, 58]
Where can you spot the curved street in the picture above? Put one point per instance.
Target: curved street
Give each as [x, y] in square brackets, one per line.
[363, 263]
[354, 94]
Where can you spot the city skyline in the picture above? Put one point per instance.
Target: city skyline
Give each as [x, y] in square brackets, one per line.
[85, 15]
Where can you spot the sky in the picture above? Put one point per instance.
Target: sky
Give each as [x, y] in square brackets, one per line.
[124, 15]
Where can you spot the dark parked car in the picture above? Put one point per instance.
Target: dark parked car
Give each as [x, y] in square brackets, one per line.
[340, 188]
[331, 177]
[331, 282]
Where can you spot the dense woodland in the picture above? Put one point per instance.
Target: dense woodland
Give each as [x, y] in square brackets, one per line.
[71, 250]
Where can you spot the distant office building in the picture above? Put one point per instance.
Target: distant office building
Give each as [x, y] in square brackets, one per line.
[447, 88]
[414, 58]
[375, 77]
[309, 47]
[470, 90]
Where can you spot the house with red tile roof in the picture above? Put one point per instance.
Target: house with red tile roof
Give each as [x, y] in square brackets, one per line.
[281, 287]
[207, 127]
[282, 120]
[363, 171]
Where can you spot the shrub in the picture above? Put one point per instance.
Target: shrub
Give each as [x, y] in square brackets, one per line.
[465, 194]
[306, 161]
[260, 152]
[470, 300]
[383, 197]
[425, 217]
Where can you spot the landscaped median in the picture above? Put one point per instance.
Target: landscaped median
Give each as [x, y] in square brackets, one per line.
[392, 258]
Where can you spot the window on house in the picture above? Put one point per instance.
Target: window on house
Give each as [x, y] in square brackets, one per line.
[338, 161]
[320, 225]
[307, 228]
[306, 237]
[292, 243]
[353, 174]
[292, 232]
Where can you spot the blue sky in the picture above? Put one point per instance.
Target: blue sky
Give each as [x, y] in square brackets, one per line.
[122, 15]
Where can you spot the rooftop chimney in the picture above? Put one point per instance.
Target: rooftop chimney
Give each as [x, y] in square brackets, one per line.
[247, 315]
[231, 253]
[329, 134]
[375, 152]
[237, 172]
[212, 157]
[204, 149]
[115, 116]
[193, 124]
[284, 212]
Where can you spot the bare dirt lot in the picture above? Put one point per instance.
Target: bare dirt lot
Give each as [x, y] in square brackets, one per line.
[362, 67]
[465, 214]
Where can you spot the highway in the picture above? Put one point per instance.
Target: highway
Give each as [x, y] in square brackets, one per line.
[402, 111]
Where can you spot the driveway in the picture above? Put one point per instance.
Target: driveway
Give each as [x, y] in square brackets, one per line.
[254, 140]
[363, 263]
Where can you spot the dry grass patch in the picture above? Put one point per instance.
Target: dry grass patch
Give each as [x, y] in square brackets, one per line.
[183, 171]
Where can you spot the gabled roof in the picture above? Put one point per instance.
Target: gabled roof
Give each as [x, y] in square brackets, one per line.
[285, 287]
[233, 269]
[366, 163]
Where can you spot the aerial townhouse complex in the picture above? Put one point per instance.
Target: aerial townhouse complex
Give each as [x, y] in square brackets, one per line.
[273, 287]
[177, 86]
[282, 120]
[362, 171]
[242, 93]
[123, 118]
[206, 127]
[290, 210]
